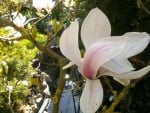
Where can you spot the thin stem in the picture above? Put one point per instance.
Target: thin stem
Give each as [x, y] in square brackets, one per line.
[109, 85]
[141, 5]
[122, 94]
[41, 19]
[56, 98]
[77, 7]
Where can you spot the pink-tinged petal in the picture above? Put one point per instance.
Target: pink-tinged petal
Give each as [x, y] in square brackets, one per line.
[124, 82]
[118, 65]
[95, 26]
[135, 74]
[39, 4]
[69, 43]
[92, 96]
[136, 43]
[100, 53]
[50, 5]
[131, 74]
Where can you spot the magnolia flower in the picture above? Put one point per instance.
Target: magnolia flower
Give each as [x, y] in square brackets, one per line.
[48, 5]
[18, 19]
[104, 55]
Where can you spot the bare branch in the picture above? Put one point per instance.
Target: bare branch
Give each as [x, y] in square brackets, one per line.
[141, 5]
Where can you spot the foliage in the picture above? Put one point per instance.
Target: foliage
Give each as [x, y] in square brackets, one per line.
[17, 56]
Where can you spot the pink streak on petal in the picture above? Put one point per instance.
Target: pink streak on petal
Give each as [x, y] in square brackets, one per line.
[89, 69]
[98, 54]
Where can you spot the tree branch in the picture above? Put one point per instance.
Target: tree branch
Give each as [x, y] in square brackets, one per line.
[141, 5]
[122, 94]
[61, 82]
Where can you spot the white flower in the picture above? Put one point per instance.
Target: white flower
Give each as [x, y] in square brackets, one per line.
[105, 55]
[18, 19]
[48, 5]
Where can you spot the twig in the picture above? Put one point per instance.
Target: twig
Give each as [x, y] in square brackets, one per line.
[141, 5]
[56, 98]
[41, 19]
[110, 87]
[77, 7]
[120, 97]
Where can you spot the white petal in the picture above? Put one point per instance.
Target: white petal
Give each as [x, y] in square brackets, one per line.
[39, 4]
[50, 5]
[100, 53]
[118, 65]
[92, 96]
[130, 75]
[124, 82]
[95, 26]
[136, 43]
[18, 19]
[69, 43]
[135, 74]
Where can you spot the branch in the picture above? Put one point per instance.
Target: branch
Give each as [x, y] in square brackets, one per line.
[47, 51]
[110, 87]
[77, 7]
[141, 5]
[41, 19]
[121, 96]
[61, 82]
